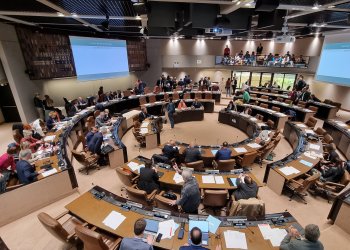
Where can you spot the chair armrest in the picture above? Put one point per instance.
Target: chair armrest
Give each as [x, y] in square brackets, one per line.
[134, 186]
[202, 193]
[70, 237]
[61, 215]
[296, 182]
[133, 180]
[239, 158]
[334, 184]
[161, 193]
[116, 244]
[150, 197]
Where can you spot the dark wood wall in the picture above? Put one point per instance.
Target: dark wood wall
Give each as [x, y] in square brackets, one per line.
[50, 55]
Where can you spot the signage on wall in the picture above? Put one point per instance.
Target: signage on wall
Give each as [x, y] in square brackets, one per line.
[199, 61]
[176, 64]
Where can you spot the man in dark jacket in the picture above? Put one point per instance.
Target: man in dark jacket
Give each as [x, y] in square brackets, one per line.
[148, 178]
[171, 111]
[334, 173]
[170, 150]
[300, 84]
[246, 188]
[192, 153]
[25, 171]
[143, 115]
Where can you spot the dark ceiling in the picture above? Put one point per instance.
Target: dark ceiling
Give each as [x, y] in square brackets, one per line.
[177, 18]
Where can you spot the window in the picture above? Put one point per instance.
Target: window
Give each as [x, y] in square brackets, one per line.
[266, 78]
[289, 80]
[242, 77]
[278, 78]
[255, 79]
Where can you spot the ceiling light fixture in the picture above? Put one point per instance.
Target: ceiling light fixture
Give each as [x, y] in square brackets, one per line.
[316, 6]
[86, 25]
[138, 17]
[238, 3]
[74, 15]
[60, 14]
[331, 6]
[249, 4]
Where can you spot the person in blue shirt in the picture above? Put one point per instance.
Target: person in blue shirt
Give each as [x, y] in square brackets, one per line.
[196, 104]
[171, 111]
[137, 242]
[90, 134]
[224, 153]
[25, 171]
[95, 143]
[196, 241]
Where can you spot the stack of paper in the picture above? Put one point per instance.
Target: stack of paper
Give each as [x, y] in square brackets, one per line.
[314, 146]
[219, 179]
[289, 170]
[235, 239]
[310, 154]
[178, 178]
[260, 124]
[144, 130]
[144, 124]
[240, 150]
[49, 138]
[309, 131]
[253, 119]
[280, 114]
[301, 125]
[275, 235]
[113, 220]
[213, 224]
[254, 145]
[133, 166]
[208, 179]
[306, 163]
[49, 172]
[167, 229]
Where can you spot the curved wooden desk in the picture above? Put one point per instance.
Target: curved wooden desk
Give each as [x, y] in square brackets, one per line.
[188, 115]
[94, 211]
[340, 132]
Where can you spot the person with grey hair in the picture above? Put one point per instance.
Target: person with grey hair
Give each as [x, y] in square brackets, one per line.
[25, 171]
[190, 194]
[311, 242]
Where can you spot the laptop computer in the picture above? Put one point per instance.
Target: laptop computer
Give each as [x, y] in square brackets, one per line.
[151, 227]
[203, 226]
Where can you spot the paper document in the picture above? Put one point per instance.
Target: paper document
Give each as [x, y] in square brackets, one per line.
[49, 172]
[178, 178]
[265, 230]
[306, 163]
[342, 125]
[133, 165]
[314, 146]
[253, 145]
[144, 130]
[213, 151]
[310, 154]
[213, 224]
[277, 236]
[240, 150]
[208, 179]
[144, 124]
[49, 138]
[309, 131]
[280, 114]
[253, 119]
[167, 229]
[113, 220]
[260, 124]
[235, 239]
[219, 179]
[289, 170]
[301, 125]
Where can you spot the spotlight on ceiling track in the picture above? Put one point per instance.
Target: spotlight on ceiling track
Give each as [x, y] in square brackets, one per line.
[105, 24]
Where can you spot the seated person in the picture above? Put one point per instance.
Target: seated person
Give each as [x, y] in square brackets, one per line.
[143, 115]
[224, 153]
[190, 194]
[33, 143]
[312, 234]
[170, 150]
[25, 171]
[196, 104]
[73, 108]
[182, 105]
[90, 134]
[107, 116]
[7, 166]
[192, 153]
[330, 155]
[264, 136]
[100, 120]
[95, 143]
[246, 96]
[196, 240]
[148, 178]
[137, 241]
[52, 120]
[231, 106]
[246, 188]
[332, 173]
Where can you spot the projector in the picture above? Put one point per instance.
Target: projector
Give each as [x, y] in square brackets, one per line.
[284, 39]
[219, 31]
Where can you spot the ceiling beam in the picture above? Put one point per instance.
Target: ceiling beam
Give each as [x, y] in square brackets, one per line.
[66, 13]
[16, 20]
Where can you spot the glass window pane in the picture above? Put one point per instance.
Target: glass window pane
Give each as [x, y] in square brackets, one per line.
[255, 79]
[278, 78]
[288, 81]
[244, 77]
[266, 78]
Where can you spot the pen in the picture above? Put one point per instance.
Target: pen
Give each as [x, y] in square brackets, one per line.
[171, 230]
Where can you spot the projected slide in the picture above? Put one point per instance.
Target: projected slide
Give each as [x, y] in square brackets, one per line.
[334, 64]
[97, 58]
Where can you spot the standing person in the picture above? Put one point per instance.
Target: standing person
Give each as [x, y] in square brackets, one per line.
[228, 86]
[39, 106]
[234, 84]
[171, 111]
[259, 49]
[312, 234]
[227, 51]
[137, 242]
[300, 83]
[190, 194]
[148, 178]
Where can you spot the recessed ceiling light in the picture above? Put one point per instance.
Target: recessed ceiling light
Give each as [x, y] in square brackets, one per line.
[316, 6]
[74, 15]
[60, 14]
[238, 3]
[86, 25]
[331, 6]
[249, 4]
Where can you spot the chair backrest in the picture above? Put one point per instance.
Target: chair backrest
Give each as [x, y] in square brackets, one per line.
[259, 117]
[320, 131]
[277, 132]
[126, 93]
[271, 124]
[280, 99]
[226, 165]
[125, 176]
[136, 195]
[53, 226]
[267, 150]
[277, 109]
[97, 113]
[198, 95]
[311, 122]
[251, 208]
[264, 105]
[249, 158]
[142, 100]
[253, 95]
[288, 101]
[163, 203]
[147, 90]
[91, 239]
[276, 141]
[308, 182]
[313, 108]
[328, 138]
[152, 98]
[208, 96]
[215, 198]
[166, 97]
[345, 179]
[137, 136]
[196, 165]
[187, 96]
[264, 97]
[176, 96]
[301, 104]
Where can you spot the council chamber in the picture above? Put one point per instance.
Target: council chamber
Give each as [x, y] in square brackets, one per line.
[173, 124]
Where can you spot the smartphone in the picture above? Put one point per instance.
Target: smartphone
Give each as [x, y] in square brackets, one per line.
[159, 237]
